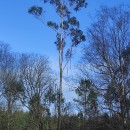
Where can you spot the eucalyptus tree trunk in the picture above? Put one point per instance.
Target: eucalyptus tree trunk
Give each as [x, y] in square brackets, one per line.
[61, 75]
[60, 94]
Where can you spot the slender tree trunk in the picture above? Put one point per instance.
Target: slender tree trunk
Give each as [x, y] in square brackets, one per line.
[60, 89]
[61, 72]
[41, 125]
[9, 113]
[123, 96]
[56, 108]
[123, 108]
[85, 104]
[8, 122]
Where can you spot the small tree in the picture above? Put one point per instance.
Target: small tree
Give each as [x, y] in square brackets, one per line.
[87, 99]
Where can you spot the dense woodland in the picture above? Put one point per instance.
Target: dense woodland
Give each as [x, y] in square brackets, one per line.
[31, 96]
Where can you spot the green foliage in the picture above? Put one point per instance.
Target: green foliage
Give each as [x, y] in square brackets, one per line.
[20, 120]
[69, 24]
[52, 25]
[78, 4]
[35, 10]
[3, 119]
[87, 98]
[84, 87]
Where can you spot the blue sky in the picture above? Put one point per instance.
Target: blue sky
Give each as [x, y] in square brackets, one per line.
[26, 34]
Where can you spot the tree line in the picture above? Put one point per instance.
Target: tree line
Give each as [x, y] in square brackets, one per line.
[30, 96]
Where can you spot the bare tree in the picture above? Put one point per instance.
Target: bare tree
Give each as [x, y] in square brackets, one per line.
[10, 84]
[108, 38]
[36, 76]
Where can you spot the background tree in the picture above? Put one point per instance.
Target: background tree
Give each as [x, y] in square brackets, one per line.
[11, 87]
[108, 38]
[87, 100]
[36, 76]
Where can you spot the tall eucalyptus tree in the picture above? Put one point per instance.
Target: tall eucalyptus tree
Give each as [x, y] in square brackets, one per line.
[67, 26]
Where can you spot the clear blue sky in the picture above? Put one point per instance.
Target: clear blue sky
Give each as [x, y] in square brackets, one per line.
[26, 34]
